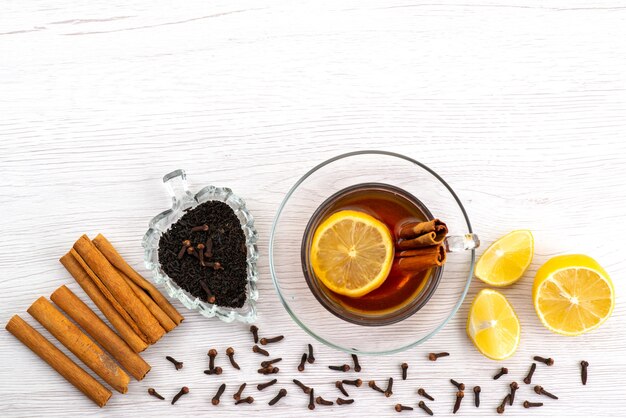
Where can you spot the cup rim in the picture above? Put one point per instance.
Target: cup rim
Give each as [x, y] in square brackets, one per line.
[273, 236]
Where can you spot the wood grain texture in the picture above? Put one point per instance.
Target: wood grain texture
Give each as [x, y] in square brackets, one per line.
[520, 105]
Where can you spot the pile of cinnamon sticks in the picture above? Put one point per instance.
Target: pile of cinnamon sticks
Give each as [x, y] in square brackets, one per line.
[420, 245]
[140, 314]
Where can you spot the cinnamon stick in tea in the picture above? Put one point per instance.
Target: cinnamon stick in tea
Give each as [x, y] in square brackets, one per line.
[107, 249]
[107, 309]
[422, 234]
[118, 287]
[108, 295]
[39, 345]
[99, 331]
[78, 343]
[422, 258]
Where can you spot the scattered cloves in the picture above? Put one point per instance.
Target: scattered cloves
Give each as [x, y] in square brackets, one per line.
[342, 368]
[388, 391]
[311, 399]
[500, 408]
[259, 350]
[340, 401]
[547, 361]
[281, 394]
[355, 382]
[435, 356]
[583, 371]
[541, 391]
[302, 386]
[265, 341]
[177, 364]
[404, 368]
[529, 376]
[514, 386]
[501, 373]
[310, 357]
[477, 396]
[220, 390]
[212, 354]
[425, 407]
[400, 408]
[268, 363]
[154, 393]
[183, 250]
[321, 401]
[457, 403]
[262, 386]
[302, 363]
[200, 248]
[249, 399]
[339, 386]
[183, 391]
[268, 370]
[210, 297]
[230, 352]
[373, 385]
[216, 371]
[423, 393]
[357, 366]
[459, 386]
[237, 394]
[532, 404]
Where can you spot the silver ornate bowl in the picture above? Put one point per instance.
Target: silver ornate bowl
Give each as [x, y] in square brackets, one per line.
[176, 185]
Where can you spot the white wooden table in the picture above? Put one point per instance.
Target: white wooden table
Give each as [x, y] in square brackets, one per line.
[520, 105]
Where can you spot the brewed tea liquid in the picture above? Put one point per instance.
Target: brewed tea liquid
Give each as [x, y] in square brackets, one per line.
[394, 209]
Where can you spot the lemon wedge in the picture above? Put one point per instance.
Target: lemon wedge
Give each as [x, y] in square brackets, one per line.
[506, 260]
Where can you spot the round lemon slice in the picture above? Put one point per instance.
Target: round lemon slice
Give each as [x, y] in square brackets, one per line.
[506, 260]
[352, 253]
[573, 294]
[493, 326]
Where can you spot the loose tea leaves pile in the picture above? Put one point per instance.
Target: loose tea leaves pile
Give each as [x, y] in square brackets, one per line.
[204, 252]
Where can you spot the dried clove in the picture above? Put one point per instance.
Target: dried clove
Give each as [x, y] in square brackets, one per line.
[216, 371]
[237, 394]
[541, 391]
[514, 386]
[423, 406]
[265, 341]
[310, 357]
[210, 297]
[183, 391]
[302, 363]
[154, 393]
[388, 391]
[459, 386]
[529, 376]
[400, 408]
[500, 408]
[200, 248]
[547, 361]
[457, 403]
[200, 228]
[302, 386]
[340, 401]
[230, 352]
[532, 404]
[404, 368]
[268, 370]
[435, 356]
[583, 371]
[262, 386]
[183, 250]
[321, 401]
[208, 248]
[220, 390]
[477, 396]
[357, 366]
[355, 382]
[249, 399]
[311, 399]
[342, 368]
[281, 394]
[268, 363]
[177, 364]
[423, 393]
[339, 386]
[373, 385]
[501, 373]
[257, 349]
[212, 354]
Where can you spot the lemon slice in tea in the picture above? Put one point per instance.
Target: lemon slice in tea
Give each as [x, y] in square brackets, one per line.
[352, 253]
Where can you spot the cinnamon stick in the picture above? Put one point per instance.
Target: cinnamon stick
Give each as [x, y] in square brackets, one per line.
[107, 249]
[154, 309]
[114, 317]
[39, 345]
[108, 295]
[99, 331]
[422, 258]
[78, 343]
[118, 287]
[422, 234]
